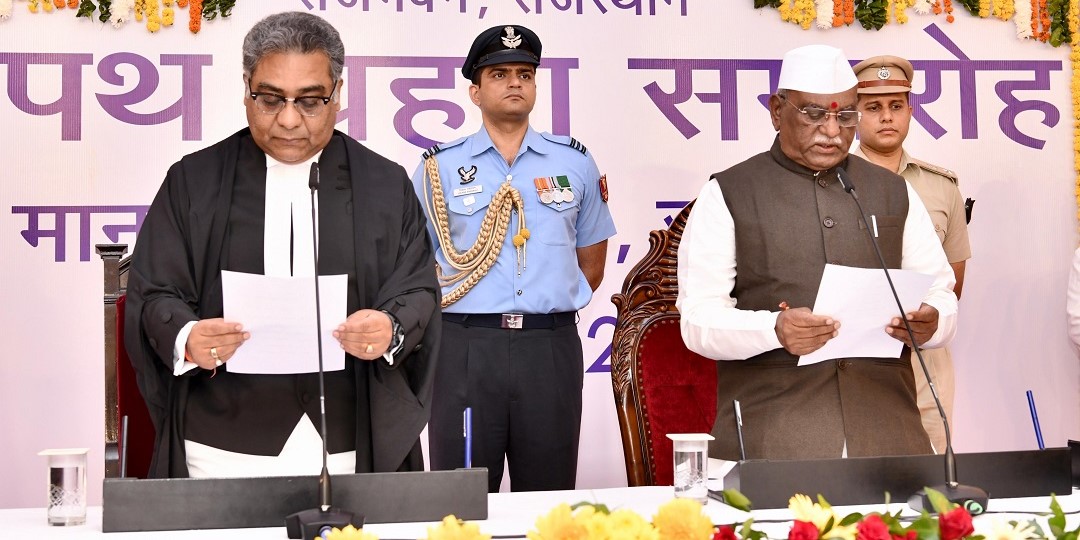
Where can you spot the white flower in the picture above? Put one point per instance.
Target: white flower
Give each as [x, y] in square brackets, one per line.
[5, 10]
[121, 12]
[1022, 530]
[824, 14]
[1022, 18]
[922, 7]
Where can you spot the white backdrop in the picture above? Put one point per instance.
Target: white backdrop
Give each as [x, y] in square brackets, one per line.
[97, 159]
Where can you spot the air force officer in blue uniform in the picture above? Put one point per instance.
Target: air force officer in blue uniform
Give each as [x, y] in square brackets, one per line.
[520, 223]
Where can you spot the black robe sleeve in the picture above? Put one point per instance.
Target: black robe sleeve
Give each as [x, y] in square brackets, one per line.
[175, 261]
[396, 272]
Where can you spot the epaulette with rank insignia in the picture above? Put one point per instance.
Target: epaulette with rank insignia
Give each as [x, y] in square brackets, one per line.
[577, 145]
[940, 171]
[566, 140]
[440, 147]
[430, 152]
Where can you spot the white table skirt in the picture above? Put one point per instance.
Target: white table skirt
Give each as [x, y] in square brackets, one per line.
[512, 514]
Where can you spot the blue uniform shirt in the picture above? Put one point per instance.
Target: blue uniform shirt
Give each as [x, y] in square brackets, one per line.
[551, 280]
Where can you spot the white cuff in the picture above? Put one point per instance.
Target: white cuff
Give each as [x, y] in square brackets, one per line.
[180, 364]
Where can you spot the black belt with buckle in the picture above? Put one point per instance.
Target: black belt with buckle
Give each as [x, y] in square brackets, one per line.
[513, 321]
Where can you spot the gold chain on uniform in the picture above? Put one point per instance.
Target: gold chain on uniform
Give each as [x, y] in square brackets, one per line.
[475, 263]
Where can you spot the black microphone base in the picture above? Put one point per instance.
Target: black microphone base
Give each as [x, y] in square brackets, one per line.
[971, 498]
[310, 524]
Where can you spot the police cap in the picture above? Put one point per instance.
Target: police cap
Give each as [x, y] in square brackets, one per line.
[502, 45]
[884, 75]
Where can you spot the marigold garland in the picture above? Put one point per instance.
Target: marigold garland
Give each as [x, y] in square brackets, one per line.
[984, 8]
[153, 15]
[72, 4]
[194, 16]
[1074, 58]
[823, 14]
[1023, 19]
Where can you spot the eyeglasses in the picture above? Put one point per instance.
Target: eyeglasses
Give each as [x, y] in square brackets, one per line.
[816, 116]
[269, 103]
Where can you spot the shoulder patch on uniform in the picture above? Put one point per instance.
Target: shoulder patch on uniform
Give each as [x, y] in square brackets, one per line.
[941, 171]
[566, 140]
[440, 147]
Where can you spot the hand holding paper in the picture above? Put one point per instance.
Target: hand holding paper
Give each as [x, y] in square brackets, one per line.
[365, 334]
[802, 332]
[861, 299]
[923, 323]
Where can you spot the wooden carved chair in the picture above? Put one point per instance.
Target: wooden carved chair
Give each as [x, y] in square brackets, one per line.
[660, 386]
[122, 397]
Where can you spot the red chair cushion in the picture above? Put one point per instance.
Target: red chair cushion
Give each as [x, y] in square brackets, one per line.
[678, 391]
[129, 401]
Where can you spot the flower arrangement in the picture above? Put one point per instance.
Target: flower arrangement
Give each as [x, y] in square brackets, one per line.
[157, 13]
[1048, 19]
[684, 519]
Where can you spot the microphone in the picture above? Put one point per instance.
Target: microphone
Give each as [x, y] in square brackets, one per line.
[313, 522]
[972, 498]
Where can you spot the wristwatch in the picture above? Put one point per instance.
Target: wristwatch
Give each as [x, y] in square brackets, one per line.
[397, 340]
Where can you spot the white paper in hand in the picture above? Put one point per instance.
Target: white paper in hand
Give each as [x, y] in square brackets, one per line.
[279, 312]
[861, 300]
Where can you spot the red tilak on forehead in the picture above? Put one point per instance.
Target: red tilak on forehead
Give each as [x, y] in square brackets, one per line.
[835, 105]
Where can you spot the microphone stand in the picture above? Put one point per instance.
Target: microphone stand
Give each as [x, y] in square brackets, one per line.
[972, 498]
[313, 522]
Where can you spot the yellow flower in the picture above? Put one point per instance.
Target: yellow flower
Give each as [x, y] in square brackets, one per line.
[559, 524]
[841, 532]
[350, 533]
[682, 519]
[804, 509]
[1023, 530]
[628, 525]
[453, 528]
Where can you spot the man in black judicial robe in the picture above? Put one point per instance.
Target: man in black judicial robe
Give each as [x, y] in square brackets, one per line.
[208, 217]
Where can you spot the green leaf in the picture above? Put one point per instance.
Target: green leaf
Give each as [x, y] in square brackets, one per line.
[851, 519]
[1057, 519]
[746, 532]
[105, 9]
[86, 8]
[821, 501]
[938, 500]
[926, 527]
[735, 499]
[599, 507]
[828, 527]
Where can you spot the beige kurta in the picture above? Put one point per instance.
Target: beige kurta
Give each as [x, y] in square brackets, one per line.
[938, 189]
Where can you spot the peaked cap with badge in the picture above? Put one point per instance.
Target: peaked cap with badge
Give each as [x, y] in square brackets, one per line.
[506, 44]
[884, 74]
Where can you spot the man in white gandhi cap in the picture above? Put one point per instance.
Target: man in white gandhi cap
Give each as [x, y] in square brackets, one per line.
[751, 261]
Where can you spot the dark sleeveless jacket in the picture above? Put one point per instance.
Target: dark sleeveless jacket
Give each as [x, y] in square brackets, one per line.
[790, 222]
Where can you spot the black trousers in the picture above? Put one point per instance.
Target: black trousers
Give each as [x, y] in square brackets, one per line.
[524, 388]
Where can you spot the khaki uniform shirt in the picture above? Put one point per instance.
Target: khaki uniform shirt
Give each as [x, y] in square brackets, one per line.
[940, 193]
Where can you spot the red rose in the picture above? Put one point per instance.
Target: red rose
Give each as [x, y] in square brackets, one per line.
[803, 530]
[955, 524]
[872, 528]
[725, 532]
[910, 535]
